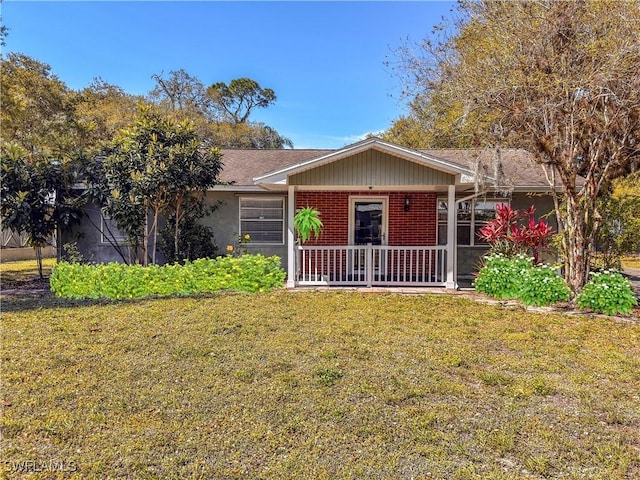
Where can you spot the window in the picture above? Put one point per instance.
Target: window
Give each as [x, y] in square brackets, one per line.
[109, 232]
[472, 216]
[262, 219]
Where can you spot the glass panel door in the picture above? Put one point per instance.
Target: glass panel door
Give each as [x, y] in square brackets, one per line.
[368, 228]
[368, 224]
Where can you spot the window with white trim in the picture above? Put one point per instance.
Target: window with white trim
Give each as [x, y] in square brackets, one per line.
[472, 216]
[109, 231]
[263, 219]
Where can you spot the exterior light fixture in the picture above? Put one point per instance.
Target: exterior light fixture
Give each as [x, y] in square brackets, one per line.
[407, 203]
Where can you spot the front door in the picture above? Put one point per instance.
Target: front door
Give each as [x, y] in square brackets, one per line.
[367, 228]
[368, 221]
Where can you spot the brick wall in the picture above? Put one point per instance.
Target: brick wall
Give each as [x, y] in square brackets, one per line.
[415, 227]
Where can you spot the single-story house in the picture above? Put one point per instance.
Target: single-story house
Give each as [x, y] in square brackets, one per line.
[392, 215]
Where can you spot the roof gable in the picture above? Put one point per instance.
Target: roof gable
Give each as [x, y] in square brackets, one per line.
[351, 151]
[371, 167]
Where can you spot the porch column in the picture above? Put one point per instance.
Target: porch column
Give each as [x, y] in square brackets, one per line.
[291, 238]
[451, 239]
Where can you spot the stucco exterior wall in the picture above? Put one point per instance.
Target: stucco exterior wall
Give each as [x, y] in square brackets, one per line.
[90, 240]
[225, 223]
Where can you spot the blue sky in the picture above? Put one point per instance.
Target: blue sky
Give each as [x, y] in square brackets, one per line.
[325, 60]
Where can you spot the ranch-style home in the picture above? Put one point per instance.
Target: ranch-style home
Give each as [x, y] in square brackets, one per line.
[392, 215]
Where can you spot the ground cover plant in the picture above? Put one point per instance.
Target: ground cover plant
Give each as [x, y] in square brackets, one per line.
[248, 273]
[518, 278]
[317, 385]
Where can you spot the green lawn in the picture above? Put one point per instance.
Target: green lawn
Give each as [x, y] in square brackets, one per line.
[317, 385]
[16, 274]
[631, 261]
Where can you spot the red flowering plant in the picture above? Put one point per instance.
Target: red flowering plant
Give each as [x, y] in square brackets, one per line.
[520, 230]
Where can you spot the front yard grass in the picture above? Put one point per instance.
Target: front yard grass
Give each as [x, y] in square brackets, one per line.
[317, 385]
[23, 272]
[631, 261]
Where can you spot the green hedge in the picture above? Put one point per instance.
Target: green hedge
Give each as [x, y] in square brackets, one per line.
[249, 273]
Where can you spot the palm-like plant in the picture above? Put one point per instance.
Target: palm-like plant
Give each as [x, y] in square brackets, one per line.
[307, 222]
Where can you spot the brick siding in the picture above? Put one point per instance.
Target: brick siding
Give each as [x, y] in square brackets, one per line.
[415, 227]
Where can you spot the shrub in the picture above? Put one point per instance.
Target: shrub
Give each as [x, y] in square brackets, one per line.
[518, 229]
[501, 277]
[250, 273]
[607, 292]
[516, 278]
[541, 285]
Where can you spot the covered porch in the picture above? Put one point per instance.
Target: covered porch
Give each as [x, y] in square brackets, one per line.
[379, 206]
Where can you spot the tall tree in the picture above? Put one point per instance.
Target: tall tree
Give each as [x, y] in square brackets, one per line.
[103, 109]
[219, 113]
[37, 108]
[247, 135]
[557, 78]
[239, 98]
[180, 92]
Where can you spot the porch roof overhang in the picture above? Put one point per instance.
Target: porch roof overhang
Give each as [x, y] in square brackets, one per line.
[280, 179]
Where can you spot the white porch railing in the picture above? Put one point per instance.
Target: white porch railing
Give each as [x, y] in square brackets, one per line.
[371, 265]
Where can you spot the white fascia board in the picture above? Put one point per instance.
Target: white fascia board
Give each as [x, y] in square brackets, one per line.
[235, 188]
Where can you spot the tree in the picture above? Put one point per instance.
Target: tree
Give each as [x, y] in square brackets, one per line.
[557, 78]
[180, 92]
[237, 100]
[247, 135]
[221, 112]
[37, 108]
[154, 166]
[102, 110]
[619, 232]
[37, 196]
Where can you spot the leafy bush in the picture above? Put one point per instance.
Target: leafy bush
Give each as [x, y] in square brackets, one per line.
[195, 239]
[250, 273]
[72, 253]
[541, 285]
[518, 229]
[607, 292]
[501, 277]
[517, 278]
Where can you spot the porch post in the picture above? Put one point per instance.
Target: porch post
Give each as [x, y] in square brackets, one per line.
[291, 238]
[451, 239]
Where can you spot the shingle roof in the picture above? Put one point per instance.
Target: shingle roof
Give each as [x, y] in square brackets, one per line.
[518, 164]
[241, 166]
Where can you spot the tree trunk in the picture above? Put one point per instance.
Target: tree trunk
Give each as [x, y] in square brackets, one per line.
[176, 233]
[38, 250]
[577, 241]
[155, 235]
[145, 240]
